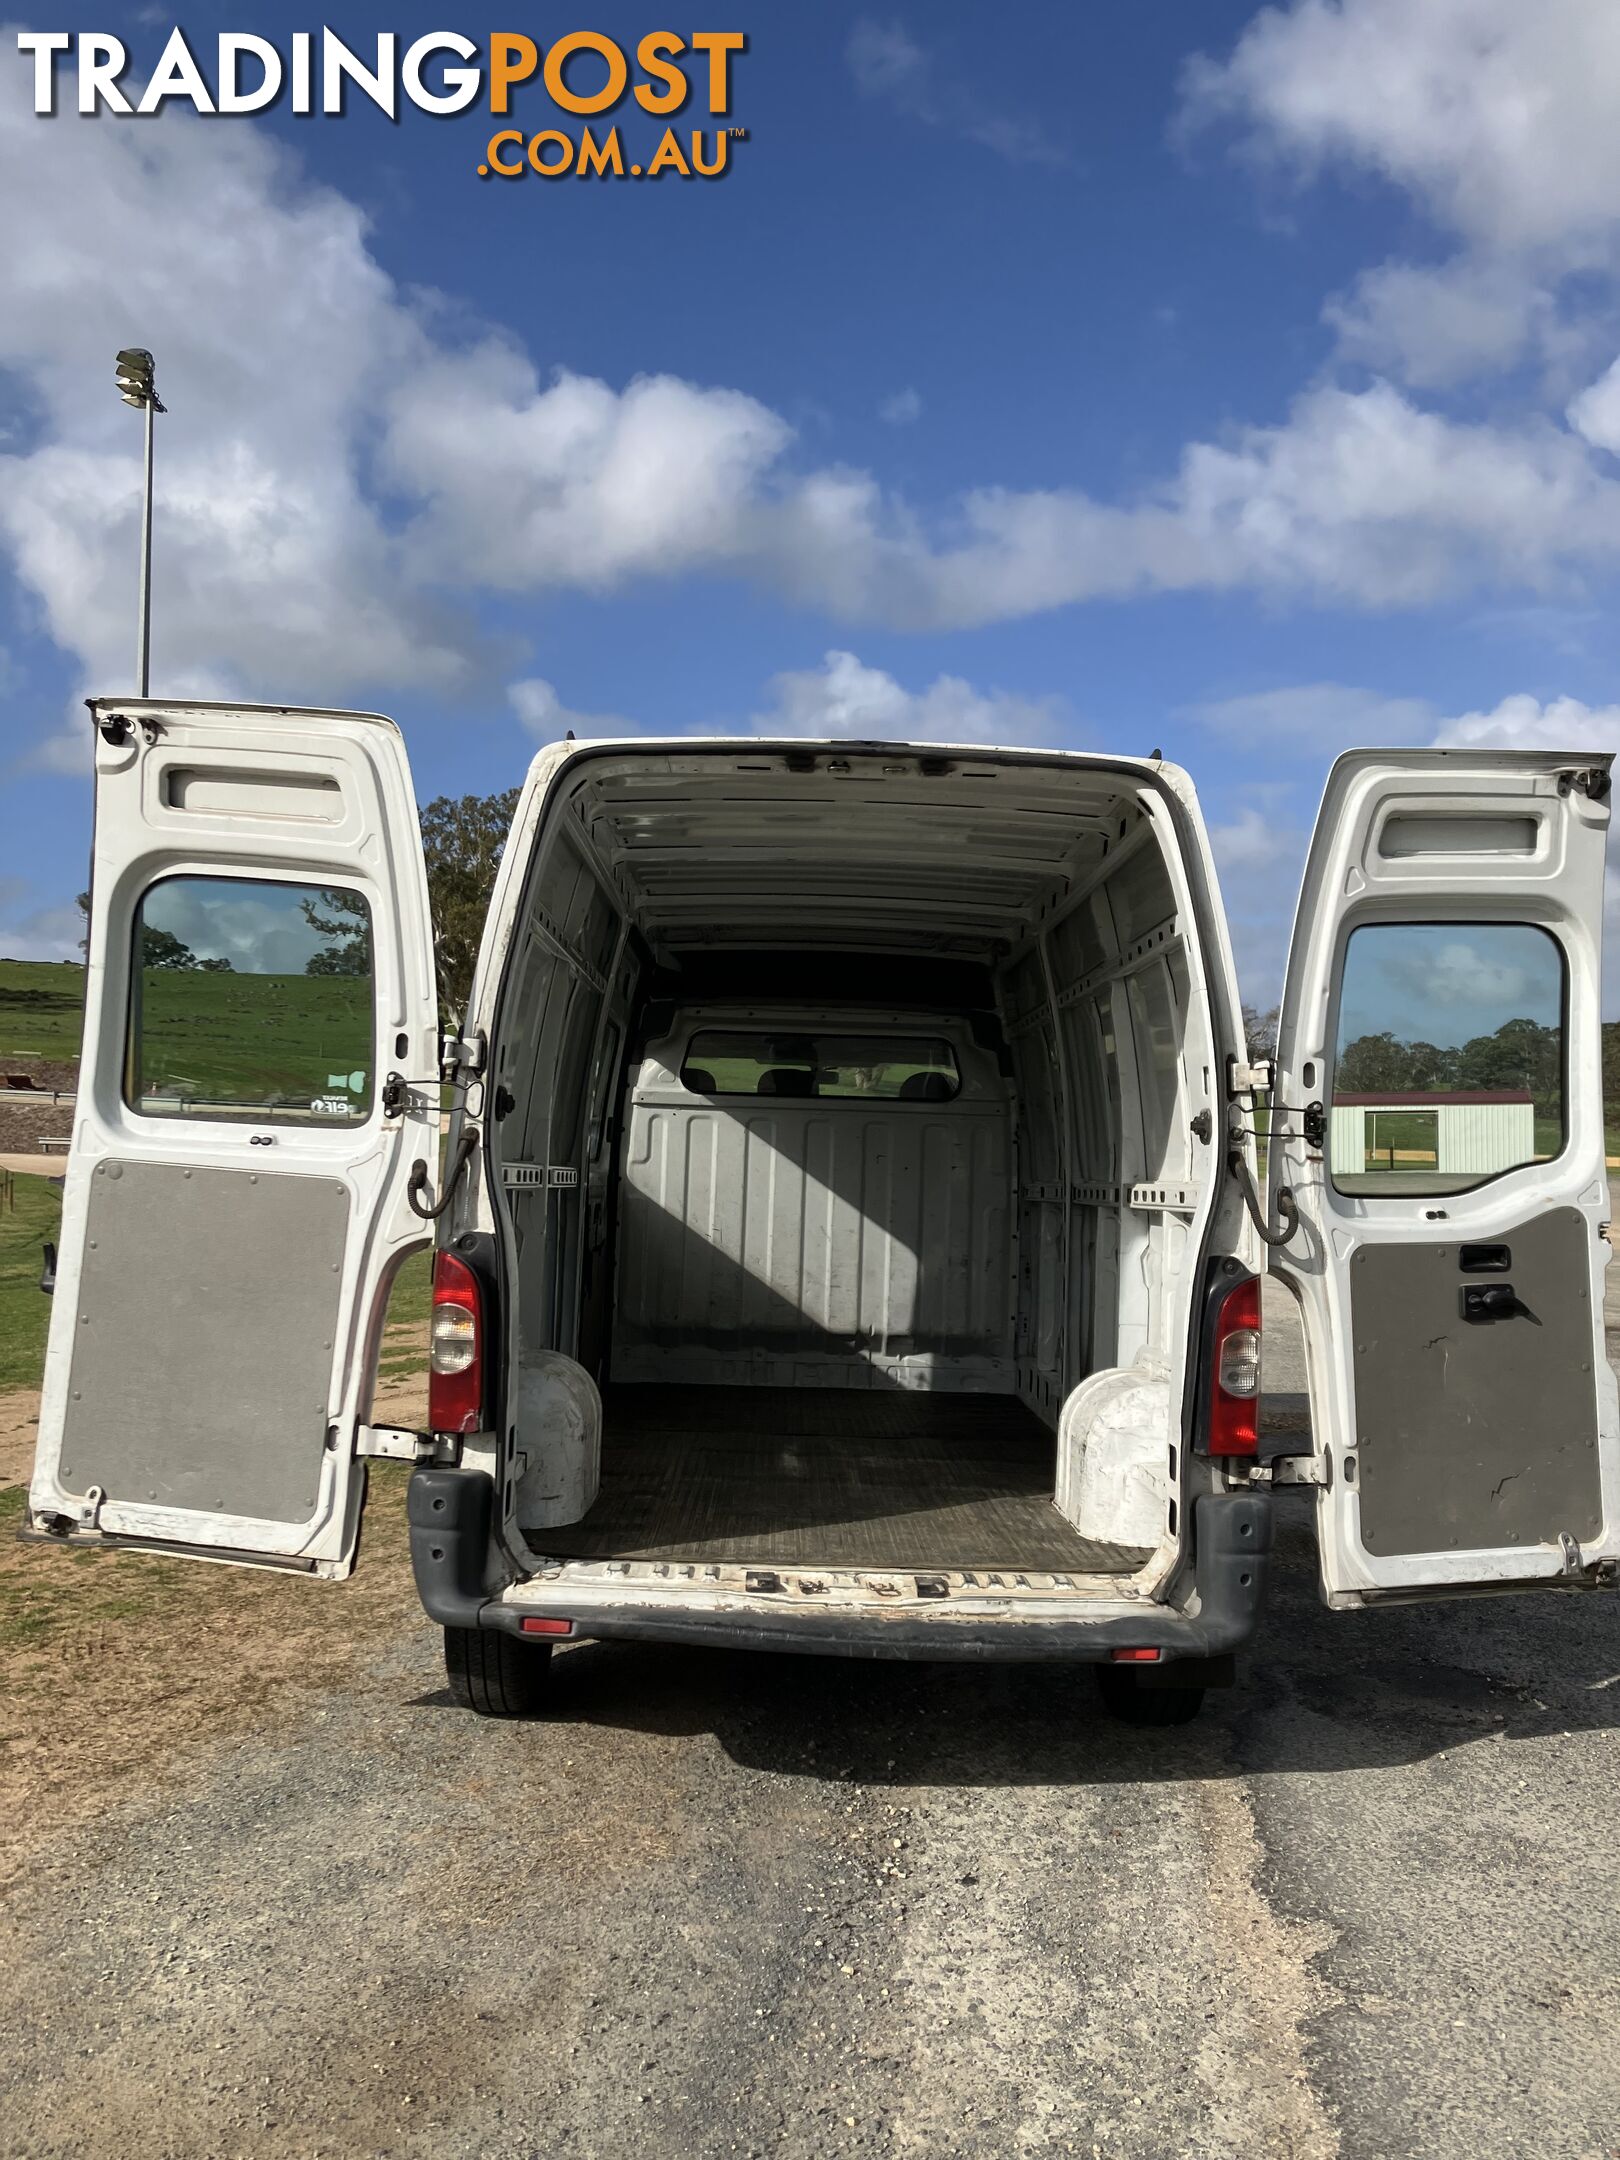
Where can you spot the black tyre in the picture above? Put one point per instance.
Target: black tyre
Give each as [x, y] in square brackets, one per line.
[1127, 1697]
[494, 1674]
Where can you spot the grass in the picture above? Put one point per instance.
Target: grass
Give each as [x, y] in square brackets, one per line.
[24, 1312]
[41, 1009]
[256, 1040]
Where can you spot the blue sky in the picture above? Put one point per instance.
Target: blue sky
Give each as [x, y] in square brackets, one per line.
[1226, 381]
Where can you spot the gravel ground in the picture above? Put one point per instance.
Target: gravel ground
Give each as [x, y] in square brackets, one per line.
[727, 1905]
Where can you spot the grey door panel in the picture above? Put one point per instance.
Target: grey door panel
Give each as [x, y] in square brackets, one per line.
[191, 1382]
[1476, 1433]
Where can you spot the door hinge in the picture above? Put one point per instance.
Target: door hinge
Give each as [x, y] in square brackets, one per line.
[1244, 1079]
[397, 1443]
[1301, 1470]
[462, 1054]
[1591, 781]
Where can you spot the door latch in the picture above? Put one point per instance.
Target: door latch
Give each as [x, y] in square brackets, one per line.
[1494, 1301]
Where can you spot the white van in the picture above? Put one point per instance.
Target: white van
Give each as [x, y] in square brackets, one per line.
[847, 1233]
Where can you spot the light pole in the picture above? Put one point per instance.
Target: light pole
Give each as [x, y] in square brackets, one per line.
[136, 387]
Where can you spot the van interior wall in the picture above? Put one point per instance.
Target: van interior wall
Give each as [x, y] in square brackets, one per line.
[1049, 883]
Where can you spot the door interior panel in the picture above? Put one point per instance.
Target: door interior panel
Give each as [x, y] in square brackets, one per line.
[1476, 1432]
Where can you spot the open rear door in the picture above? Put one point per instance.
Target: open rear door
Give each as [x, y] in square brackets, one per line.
[1439, 1125]
[260, 964]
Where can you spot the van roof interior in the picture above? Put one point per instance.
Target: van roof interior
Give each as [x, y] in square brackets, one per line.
[948, 853]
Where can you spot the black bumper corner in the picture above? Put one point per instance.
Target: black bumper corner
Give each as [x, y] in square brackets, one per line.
[451, 1514]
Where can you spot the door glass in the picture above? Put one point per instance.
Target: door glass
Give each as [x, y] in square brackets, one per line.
[252, 1000]
[1449, 1067]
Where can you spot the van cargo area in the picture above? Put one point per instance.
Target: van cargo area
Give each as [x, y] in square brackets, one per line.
[841, 1112]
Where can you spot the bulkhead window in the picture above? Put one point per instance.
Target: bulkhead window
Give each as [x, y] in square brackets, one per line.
[874, 1068]
[251, 1000]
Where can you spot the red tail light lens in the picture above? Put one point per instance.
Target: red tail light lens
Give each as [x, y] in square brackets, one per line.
[456, 1348]
[1136, 1656]
[1234, 1388]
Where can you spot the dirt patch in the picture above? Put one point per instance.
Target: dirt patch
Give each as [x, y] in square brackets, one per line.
[115, 1666]
[19, 1427]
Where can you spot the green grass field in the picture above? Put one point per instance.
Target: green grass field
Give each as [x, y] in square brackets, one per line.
[24, 1311]
[256, 1041]
[41, 1009]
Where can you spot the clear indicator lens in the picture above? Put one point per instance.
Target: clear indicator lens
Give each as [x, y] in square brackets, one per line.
[454, 1339]
[1239, 1370]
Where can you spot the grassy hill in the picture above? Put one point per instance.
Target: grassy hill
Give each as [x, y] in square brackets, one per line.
[218, 1038]
[41, 1010]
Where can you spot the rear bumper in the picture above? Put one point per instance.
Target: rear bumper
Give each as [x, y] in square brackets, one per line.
[450, 1515]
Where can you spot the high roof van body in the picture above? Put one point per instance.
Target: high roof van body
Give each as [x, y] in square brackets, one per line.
[849, 1226]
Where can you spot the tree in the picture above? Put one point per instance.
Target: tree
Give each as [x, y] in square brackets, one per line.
[1260, 1029]
[162, 949]
[347, 921]
[462, 840]
[84, 910]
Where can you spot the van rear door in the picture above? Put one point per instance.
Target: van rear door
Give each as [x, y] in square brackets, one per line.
[260, 964]
[1439, 1127]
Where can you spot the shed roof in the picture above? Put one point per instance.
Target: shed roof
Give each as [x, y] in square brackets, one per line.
[1428, 1099]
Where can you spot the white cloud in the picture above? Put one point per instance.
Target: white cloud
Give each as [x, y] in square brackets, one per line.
[1499, 116]
[1595, 414]
[1495, 116]
[571, 482]
[548, 719]
[47, 933]
[844, 697]
[1310, 717]
[902, 409]
[1439, 326]
[273, 328]
[346, 468]
[1527, 723]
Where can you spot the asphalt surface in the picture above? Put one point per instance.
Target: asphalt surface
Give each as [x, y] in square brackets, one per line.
[724, 1905]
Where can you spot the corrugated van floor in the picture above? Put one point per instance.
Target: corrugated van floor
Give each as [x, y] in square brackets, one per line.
[829, 1477]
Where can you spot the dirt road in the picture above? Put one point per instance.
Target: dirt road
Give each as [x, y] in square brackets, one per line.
[722, 1905]
[725, 1905]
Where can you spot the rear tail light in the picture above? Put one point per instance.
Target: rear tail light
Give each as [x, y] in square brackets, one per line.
[1234, 1388]
[456, 1349]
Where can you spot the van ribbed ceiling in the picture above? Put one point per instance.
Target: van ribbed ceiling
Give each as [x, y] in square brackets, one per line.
[944, 853]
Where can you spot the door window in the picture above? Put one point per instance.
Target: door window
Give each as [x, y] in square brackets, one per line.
[1449, 1066]
[251, 999]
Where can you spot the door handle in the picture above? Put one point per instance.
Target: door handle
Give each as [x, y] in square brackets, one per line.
[1495, 1301]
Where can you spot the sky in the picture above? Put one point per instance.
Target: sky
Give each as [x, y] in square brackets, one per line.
[1238, 383]
[1447, 983]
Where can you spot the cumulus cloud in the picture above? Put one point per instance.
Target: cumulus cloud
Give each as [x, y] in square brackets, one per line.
[844, 697]
[348, 468]
[1497, 118]
[48, 933]
[542, 712]
[274, 328]
[1528, 723]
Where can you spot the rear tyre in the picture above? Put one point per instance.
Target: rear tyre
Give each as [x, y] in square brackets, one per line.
[1126, 1697]
[494, 1674]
